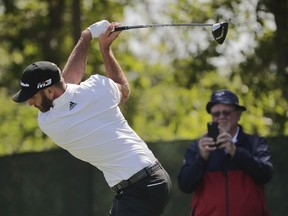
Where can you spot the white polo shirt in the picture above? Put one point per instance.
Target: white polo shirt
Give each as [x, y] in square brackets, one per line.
[87, 122]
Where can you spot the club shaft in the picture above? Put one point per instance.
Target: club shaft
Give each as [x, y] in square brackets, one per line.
[121, 28]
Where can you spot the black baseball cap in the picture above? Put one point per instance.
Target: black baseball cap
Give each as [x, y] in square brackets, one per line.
[224, 97]
[38, 75]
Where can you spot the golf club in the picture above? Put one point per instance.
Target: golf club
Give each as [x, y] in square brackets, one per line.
[219, 30]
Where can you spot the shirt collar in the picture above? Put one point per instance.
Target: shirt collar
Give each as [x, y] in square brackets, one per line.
[234, 139]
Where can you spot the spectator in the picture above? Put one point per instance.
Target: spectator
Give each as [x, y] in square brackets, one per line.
[227, 176]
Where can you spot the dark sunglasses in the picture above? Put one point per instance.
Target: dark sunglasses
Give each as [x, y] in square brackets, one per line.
[225, 113]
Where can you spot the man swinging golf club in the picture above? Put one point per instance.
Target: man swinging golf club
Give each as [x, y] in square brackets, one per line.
[85, 119]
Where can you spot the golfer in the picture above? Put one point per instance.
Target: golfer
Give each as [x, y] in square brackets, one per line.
[85, 119]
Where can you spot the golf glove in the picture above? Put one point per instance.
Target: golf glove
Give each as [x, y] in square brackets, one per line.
[98, 28]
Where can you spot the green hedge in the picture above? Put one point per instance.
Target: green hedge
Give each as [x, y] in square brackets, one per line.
[56, 184]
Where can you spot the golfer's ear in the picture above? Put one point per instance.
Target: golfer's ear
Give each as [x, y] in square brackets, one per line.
[49, 92]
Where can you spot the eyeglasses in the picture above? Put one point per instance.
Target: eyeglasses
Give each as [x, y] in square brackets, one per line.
[225, 113]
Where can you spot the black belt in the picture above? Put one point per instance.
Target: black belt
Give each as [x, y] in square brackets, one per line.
[147, 171]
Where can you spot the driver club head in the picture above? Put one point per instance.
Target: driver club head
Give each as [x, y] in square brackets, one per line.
[219, 31]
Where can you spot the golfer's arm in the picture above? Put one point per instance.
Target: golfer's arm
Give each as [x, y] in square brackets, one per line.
[74, 69]
[115, 72]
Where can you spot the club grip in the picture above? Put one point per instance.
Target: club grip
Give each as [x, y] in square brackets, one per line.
[121, 28]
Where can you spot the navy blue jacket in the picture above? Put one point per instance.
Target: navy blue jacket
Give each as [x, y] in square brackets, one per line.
[228, 186]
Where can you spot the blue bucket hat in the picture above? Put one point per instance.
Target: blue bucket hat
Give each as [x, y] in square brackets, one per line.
[224, 97]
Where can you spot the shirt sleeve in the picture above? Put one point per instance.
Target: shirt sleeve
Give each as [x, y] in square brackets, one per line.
[107, 85]
[115, 91]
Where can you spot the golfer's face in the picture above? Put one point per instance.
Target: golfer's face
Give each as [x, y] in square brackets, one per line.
[41, 101]
[226, 115]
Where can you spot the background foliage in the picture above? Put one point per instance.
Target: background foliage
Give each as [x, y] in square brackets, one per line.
[172, 71]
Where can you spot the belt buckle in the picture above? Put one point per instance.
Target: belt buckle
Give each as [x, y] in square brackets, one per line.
[114, 189]
[117, 188]
[120, 186]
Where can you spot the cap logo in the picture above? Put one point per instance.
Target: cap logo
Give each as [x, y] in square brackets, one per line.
[218, 94]
[44, 84]
[24, 84]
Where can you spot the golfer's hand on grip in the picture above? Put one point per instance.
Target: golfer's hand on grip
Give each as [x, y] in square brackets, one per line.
[108, 36]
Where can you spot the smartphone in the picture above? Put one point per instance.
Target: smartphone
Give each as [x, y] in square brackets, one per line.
[213, 130]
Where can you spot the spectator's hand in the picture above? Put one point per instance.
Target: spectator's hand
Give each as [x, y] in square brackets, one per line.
[224, 140]
[206, 145]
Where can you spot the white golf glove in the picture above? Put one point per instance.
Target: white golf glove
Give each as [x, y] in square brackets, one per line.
[98, 28]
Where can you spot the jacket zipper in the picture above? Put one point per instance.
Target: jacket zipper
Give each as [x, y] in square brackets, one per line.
[227, 194]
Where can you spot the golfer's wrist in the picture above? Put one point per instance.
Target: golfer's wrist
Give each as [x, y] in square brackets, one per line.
[86, 34]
